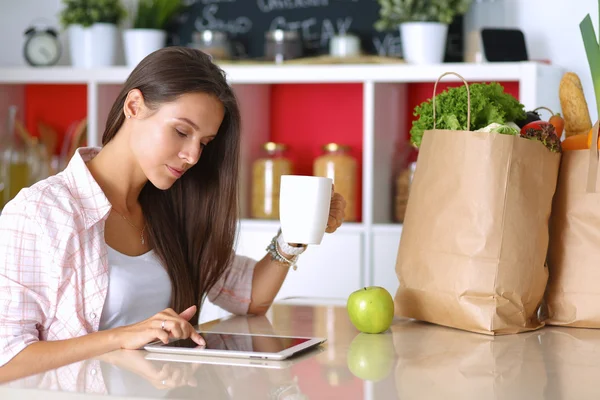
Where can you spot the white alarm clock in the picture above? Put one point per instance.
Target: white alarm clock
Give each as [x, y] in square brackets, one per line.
[42, 47]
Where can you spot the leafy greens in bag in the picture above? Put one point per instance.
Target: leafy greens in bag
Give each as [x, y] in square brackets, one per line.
[507, 129]
[489, 104]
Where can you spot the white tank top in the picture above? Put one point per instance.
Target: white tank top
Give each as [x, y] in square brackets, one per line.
[138, 288]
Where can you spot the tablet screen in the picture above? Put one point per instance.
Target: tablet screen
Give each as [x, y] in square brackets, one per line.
[227, 341]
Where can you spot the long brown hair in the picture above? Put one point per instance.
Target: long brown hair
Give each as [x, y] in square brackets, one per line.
[192, 224]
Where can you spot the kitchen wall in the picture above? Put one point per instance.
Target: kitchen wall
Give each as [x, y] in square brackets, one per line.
[551, 29]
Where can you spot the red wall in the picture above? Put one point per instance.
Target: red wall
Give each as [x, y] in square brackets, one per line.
[306, 117]
[56, 105]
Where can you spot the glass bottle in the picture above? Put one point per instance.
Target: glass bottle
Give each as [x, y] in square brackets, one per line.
[39, 162]
[403, 169]
[336, 163]
[15, 161]
[266, 179]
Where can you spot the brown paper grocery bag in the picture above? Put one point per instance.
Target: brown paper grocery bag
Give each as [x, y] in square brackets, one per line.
[573, 293]
[475, 236]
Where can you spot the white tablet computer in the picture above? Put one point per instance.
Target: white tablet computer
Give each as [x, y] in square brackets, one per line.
[235, 362]
[239, 345]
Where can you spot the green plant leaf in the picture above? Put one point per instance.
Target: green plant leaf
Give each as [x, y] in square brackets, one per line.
[88, 12]
[156, 14]
[593, 54]
[394, 12]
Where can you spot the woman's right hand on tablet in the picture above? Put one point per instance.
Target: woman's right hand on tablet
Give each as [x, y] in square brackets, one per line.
[162, 326]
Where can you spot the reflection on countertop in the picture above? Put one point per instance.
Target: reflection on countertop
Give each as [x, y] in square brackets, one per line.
[412, 360]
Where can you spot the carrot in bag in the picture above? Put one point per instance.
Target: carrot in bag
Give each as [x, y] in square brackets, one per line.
[576, 142]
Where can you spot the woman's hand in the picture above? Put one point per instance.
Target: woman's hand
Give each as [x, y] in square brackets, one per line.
[336, 212]
[175, 325]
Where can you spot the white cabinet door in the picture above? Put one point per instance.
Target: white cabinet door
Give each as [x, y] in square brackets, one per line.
[385, 251]
[329, 270]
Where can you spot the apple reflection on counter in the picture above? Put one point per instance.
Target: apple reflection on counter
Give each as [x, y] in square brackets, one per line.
[349, 357]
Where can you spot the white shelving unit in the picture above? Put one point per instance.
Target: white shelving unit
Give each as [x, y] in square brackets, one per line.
[359, 254]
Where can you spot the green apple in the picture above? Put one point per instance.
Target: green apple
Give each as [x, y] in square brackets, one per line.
[371, 309]
[371, 357]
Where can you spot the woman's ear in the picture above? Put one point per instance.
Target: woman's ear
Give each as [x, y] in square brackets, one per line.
[134, 104]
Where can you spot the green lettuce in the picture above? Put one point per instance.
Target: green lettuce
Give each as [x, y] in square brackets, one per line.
[499, 128]
[489, 104]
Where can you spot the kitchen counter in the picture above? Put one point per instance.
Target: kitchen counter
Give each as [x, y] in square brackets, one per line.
[412, 360]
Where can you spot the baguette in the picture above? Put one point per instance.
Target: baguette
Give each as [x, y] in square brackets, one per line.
[574, 106]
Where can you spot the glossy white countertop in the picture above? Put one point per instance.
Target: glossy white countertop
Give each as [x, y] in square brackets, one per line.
[411, 361]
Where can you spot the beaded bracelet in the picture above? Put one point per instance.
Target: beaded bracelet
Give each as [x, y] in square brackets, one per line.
[273, 250]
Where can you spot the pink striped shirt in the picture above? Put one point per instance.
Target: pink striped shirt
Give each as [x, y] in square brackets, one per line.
[54, 263]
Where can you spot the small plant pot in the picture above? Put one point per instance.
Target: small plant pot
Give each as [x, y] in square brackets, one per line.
[141, 42]
[423, 42]
[94, 46]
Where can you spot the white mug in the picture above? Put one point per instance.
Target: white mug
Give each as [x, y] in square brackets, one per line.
[304, 208]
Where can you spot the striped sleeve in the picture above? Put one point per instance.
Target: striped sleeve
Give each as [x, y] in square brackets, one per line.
[24, 276]
[233, 291]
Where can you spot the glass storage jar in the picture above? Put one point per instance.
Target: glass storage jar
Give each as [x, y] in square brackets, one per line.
[405, 161]
[214, 43]
[282, 45]
[15, 162]
[266, 179]
[337, 163]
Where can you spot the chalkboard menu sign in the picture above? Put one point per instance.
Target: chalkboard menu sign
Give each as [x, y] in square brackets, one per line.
[317, 21]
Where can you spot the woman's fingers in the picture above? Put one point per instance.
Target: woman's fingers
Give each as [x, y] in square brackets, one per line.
[337, 205]
[161, 335]
[178, 328]
[189, 313]
[336, 217]
[332, 222]
[196, 337]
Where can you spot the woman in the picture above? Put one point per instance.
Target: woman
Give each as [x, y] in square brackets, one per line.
[89, 257]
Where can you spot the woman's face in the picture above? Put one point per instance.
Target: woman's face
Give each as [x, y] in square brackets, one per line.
[168, 141]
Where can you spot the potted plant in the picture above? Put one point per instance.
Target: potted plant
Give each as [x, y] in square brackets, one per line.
[92, 31]
[148, 33]
[423, 25]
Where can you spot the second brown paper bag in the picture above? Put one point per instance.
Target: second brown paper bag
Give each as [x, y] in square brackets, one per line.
[475, 236]
[573, 293]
